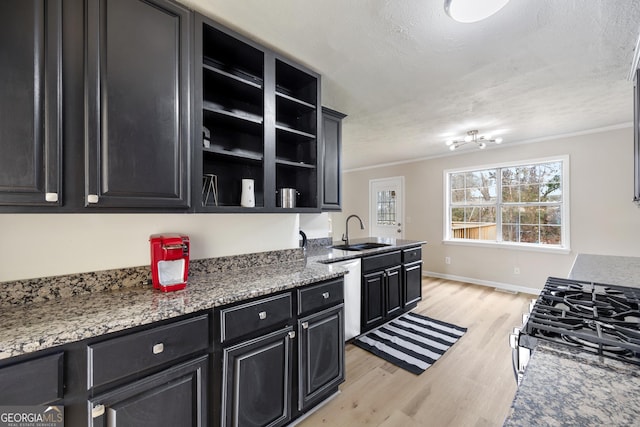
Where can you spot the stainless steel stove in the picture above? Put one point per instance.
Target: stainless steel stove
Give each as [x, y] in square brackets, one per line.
[597, 318]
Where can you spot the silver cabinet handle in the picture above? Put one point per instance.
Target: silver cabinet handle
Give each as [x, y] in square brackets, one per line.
[292, 334]
[97, 411]
[325, 295]
[158, 348]
[262, 315]
[92, 198]
[51, 197]
[305, 325]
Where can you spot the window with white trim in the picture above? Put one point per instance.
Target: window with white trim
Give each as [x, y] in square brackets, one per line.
[516, 204]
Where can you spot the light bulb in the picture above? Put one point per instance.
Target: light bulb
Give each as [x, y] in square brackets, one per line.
[468, 138]
[452, 147]
[482, 145]
[498, 140]
[449, 142]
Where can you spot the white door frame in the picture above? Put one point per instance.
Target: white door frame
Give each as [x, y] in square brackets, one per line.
[373, 208]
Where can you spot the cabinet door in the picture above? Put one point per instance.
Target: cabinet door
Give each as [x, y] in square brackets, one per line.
[331, 151]
[137, 104]
[372, 299]
[30, 105]
[393, 291]
[321, 355]
[175, 397]
[256, 381]
[412, 283]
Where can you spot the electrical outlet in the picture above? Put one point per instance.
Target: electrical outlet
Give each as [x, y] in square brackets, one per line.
[516, 270]
[447, 260]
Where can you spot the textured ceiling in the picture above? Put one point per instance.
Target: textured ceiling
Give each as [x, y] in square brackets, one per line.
[409, 77]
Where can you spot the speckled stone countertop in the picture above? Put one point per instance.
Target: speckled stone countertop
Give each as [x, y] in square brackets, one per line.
[612, 270]
[37, 326]
[326, 254]
[42, 313]
[563, 386]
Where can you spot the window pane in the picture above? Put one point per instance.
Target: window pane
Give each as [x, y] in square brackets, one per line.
[529, 234]
[531, 203]
[386, 207]
[550, 215]
[550, 235]
[510, 193]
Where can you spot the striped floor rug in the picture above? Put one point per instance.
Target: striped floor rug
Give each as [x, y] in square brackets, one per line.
[411, 341]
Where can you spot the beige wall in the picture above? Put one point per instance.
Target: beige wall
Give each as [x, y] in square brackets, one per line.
[603, 218]
[47, 245]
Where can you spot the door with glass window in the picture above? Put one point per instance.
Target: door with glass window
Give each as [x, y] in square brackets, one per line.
[386, 207]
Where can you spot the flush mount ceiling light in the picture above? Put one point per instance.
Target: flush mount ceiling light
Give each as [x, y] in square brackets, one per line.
[473, 137]
[468, 11]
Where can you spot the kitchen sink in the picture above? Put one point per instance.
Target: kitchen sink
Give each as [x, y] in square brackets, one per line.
[360, 246]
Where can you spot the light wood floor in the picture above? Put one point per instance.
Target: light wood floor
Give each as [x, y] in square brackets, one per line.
[471, 385]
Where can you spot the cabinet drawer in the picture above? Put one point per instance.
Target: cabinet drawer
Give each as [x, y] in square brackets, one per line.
[119, 357]
[411, 255]
[320, 296]
[34, 382]
[382, 261]
[256, 315]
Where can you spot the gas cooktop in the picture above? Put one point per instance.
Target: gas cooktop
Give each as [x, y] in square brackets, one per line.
[597, 318]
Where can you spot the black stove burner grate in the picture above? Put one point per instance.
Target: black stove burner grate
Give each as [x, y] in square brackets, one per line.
[597, 318]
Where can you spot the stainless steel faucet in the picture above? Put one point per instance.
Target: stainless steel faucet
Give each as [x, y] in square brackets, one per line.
[345, 236]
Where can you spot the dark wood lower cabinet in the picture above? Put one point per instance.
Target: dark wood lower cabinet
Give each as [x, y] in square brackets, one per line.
[174, 397]
[412, 283]
[320, 355]
[381, 296]
[256, 388]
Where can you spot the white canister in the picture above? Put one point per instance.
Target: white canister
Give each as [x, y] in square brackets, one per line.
[248, 199]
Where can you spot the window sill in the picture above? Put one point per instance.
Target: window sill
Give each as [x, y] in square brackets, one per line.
[515, 246]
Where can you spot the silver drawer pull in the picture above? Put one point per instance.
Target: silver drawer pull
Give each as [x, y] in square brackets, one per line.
[325, 295]
[158, 348]
[97, 411]
[262, 315]
[305, 325]
[51, 197]
[92, 198]
[292, 334]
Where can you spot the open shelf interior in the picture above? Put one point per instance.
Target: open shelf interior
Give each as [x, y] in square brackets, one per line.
[295, 149]
[303, 180]
[230, 55]
[295, 83]
[230, 172]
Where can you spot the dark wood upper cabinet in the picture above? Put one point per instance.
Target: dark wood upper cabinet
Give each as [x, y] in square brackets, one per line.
[137, 104]
[30, 108]
[256, 116]
[331, 154]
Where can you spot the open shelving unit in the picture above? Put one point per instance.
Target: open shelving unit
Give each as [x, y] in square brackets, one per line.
[262, 116]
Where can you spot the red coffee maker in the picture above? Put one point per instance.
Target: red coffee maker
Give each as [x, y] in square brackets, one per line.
[169, 261]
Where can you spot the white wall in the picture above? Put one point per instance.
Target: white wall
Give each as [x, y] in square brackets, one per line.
[604, 220]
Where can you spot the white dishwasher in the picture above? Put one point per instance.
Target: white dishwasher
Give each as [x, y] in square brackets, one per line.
[351, 297]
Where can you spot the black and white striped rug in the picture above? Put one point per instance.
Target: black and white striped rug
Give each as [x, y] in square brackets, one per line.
[411, 341]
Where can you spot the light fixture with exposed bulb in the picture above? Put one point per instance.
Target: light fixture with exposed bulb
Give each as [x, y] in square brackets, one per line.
[472, 137]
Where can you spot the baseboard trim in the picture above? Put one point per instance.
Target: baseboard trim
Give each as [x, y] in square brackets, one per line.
[489, 283]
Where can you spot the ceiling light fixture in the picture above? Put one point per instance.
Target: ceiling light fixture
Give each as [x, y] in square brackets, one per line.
[468, 11]
[473, 137]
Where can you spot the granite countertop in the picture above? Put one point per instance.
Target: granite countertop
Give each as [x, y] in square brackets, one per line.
[611, 270]
[327, 254]
[44, 322]
[565, 386]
